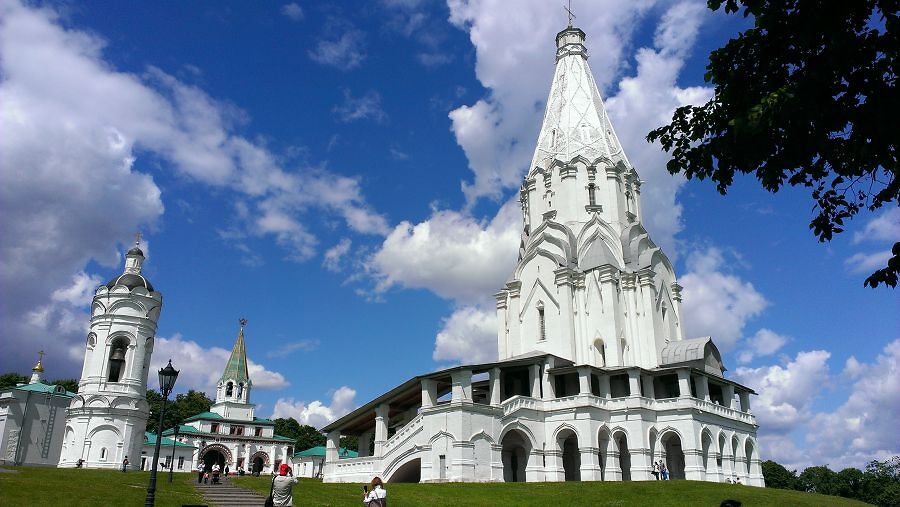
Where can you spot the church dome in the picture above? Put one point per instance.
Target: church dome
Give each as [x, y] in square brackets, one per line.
[135, 251]
[131, 281]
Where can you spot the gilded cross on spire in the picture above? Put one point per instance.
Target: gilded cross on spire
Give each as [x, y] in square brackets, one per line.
[243, 322]
[138, 236]
[569, 12]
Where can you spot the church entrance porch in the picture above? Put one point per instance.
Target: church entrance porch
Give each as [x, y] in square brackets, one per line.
[258, 462]
[215, 453]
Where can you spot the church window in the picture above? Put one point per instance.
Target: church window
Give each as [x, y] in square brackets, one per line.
[542, 328]
[600, 352]
[229, 389]
[103, 454]
[214, 428]
[117, 360]
[592, 198]
[553, 138]
[181, 462]
[258, 432]
[240, 390]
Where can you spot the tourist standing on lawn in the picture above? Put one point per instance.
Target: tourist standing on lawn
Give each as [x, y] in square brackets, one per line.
[664, 471]
[125, 464]
[377, 497]
[655, 471]
[201, 468]
[283, 486]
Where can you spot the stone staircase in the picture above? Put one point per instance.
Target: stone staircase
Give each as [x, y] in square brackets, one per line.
[228, 495]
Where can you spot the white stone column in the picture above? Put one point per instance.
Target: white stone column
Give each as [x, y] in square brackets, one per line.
[429, 393]
[496, 395]
[534, 375]
[513, 347]
[534, 471]
[745, 401]
[590, 463]
[584, 380]
[634, 382]
[381, 430]
[647, 382]
[462, 386]
[332, 453]
[728, 395]
[554, 471]
[702, 385]
[502, 298]
[364, 439]
[684, 383]
[604, 386]
[548, 389]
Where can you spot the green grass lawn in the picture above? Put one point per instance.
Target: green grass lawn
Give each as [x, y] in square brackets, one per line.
[651, 493]
[29, 486]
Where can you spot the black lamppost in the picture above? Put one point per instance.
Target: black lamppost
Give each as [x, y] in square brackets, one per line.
[167, 378]
[174, 443]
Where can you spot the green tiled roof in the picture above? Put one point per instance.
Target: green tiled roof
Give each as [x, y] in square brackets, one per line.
[40, 387]
[320, 452]
[286, 439]
[150, 439]
[182, 429]
[263, 420]
[204, 415]
[236, 368]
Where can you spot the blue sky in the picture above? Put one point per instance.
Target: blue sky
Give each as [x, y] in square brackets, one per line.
[341, 175]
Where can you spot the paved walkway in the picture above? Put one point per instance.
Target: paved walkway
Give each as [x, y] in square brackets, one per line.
[227, 495]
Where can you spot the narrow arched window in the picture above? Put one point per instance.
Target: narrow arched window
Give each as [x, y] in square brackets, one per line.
[542, 327]
[117, 360]
[103, 454]
[229, 388]
[240, 390]
[592, 198]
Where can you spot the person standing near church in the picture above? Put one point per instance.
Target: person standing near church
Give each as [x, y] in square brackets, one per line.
[201, 468]
[283, 487]
[125, 464]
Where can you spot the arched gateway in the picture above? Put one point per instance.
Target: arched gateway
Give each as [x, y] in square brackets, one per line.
[215, 453]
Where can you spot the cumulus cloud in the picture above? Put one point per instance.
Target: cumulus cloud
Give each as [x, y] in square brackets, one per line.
[469, 335]
[187, 353]
[334, 256]
[451, 254]
[860, 429]
[764, 343]
[884, 227]
[316, 413]
[366, 107]
[293, 11]
[716, 302]
[865, 262]
[346, 52]
[72, 128]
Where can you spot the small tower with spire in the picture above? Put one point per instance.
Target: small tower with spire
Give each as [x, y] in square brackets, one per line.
[233, 389]
[106, 420]
[38, 369]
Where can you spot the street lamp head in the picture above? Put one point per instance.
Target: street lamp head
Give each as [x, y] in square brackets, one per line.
[167, 378]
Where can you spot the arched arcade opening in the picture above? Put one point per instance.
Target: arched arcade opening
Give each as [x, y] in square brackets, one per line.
[514, 453]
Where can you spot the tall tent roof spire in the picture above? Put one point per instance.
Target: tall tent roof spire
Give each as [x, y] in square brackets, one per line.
[236, 367]
[575, 121]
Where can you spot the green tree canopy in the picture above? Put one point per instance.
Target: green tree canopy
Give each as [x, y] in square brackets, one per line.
[12, 379]
[806, 97]
[777, 476]
[183, 406]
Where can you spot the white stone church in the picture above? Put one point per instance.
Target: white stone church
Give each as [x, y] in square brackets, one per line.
[595, 380]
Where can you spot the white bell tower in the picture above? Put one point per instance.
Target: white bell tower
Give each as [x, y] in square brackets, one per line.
[106, 421]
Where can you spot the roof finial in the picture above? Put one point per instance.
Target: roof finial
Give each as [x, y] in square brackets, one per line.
[569, 12]
[243, 322]
[138, 236]
[39, 367]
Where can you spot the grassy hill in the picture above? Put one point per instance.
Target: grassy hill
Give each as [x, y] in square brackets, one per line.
[21, 486]
[655, 493]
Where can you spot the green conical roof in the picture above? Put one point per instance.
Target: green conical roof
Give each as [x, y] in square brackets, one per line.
[236, 368]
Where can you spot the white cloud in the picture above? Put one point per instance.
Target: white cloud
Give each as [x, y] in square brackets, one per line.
[72, 126]
[293, 11]
[863, 262]
[884, 227]
[333, 256]
[360, 108]
[786, 393]
[859, 430]
[469, 335]
[346, 52]
[316, 413]
[451, 254]
[764, 343]
[291, 347]
[717, 303]
[187, 354]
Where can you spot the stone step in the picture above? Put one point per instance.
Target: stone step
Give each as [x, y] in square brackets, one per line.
[226, 495]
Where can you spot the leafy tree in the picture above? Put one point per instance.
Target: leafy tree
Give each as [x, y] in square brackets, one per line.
[849, 483]
[818, 479]
[350, 442]
[69, 384]
[777, 476]
[183, 406]
[287, 427]
[808, 97]
[10, 379]
[309, 437]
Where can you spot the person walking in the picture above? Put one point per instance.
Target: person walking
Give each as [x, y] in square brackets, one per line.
[283, 487]
[664, 471]
[215, 473]
[377, 497]
[201, 468]
[225, 471]
[125, 464]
